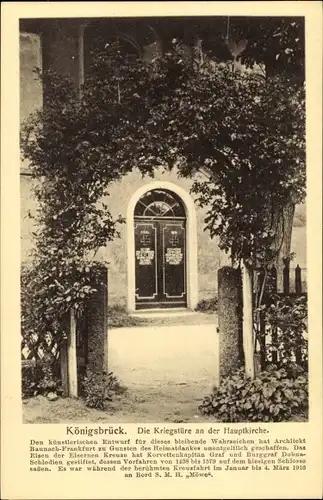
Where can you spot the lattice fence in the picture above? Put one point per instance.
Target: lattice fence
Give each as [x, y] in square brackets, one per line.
[37, 348]
[270, 344]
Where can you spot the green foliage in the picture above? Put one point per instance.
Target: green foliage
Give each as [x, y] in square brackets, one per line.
[275, 395]
[72, 222]
[249, 135]
[39, 378]
[47, 293]
[245, 131]
[99, 389]
[207, 305]
[278, 43]
[287, 316]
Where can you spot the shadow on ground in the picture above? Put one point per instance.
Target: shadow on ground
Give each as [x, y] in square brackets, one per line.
[148, 405]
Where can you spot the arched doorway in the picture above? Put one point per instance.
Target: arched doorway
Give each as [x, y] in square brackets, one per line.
[162, 259]
[160, 250]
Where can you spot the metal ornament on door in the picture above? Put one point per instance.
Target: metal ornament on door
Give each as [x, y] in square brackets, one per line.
[174, 256]
[145, 256]
[174, 240]
[145, 238]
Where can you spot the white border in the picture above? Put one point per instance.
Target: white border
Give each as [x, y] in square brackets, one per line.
[14, 452]
[191, 241]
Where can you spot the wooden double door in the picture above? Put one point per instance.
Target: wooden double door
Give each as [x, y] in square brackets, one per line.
[160, 263]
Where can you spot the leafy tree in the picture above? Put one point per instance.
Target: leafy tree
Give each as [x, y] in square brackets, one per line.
[249, 134]
[246, 133]
[278, 43]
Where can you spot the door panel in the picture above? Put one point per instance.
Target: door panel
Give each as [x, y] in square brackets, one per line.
[160, 263]
[173, 248]
[146, 260]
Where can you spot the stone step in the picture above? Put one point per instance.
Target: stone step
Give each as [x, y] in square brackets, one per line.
[165, 317]
[163, 313]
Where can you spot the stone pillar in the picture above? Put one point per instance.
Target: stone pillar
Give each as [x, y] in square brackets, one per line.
[97, 324]
[230, 319]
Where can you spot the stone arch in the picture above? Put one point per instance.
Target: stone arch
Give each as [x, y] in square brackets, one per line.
[191, 241]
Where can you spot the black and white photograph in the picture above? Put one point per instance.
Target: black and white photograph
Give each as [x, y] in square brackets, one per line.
[163, 219]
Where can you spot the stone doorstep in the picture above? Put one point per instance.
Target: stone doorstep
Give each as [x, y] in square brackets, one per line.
[163, 313]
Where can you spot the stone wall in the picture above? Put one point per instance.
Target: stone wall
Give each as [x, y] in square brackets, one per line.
[30, 87]
[30, 99]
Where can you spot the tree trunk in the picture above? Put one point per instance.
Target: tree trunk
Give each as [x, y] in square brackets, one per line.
[283, 235]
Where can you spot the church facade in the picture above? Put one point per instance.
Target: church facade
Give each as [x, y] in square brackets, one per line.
[163, 258]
